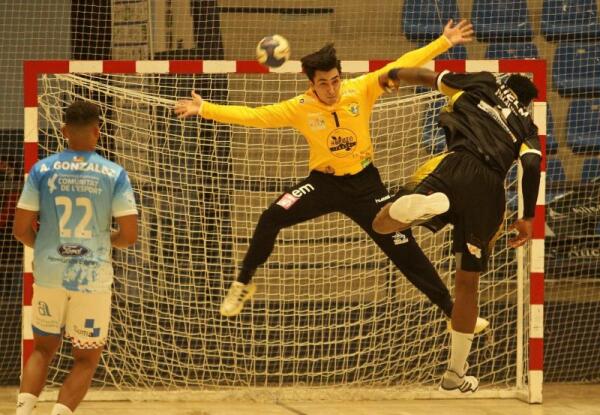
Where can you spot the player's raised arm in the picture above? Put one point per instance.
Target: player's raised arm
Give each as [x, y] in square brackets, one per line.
[412, 76]
[267, 116]
[459, 33]
[452, 35]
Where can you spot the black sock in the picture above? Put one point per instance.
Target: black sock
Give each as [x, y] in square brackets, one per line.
[245, 275]
[447, 306]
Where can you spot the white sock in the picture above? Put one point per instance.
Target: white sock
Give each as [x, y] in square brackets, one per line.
[60, 409]
[25, 403]
[459, 351]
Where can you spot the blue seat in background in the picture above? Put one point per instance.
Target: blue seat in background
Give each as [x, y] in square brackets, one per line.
[590, 169]
[434, 139]
[576, 69]
[511, 51]
[583, 121]
[570, 20]
[425, 20]
[555, 178]
[501, 20]
[551, 143]
[555, 171]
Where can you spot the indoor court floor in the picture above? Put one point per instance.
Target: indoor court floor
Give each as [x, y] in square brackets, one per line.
[558, 400]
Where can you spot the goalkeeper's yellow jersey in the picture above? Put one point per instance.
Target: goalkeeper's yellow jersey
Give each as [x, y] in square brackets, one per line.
[338, 135]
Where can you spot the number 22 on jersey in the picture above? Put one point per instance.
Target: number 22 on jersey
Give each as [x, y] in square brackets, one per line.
[80, 230]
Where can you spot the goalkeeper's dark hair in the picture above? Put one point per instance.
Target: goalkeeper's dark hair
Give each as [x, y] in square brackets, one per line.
[322, 60]
[81, 113]
[522, 86]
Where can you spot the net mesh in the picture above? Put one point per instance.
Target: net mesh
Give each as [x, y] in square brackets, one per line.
[564, 33]
[330, 310]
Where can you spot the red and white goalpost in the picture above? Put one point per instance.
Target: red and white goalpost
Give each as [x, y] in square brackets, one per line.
[330, 315]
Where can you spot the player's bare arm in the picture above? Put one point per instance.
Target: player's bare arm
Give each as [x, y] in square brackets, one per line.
[457, 34]
[23, 229]
[412, 76]
[127, 233]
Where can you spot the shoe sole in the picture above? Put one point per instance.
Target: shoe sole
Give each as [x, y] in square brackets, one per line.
[237, 310]
[457, 391]
[426, 207]
[481, 325]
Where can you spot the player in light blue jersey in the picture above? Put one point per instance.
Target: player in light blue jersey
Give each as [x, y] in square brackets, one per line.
[75, 193]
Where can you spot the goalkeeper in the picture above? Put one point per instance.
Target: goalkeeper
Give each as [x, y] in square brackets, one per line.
[487, 129]
[333, 115]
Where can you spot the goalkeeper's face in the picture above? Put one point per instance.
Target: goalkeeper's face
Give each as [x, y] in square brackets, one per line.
[326, 85]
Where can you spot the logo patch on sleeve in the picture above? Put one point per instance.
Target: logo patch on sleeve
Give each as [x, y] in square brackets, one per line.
[287, 201]
[473, 250]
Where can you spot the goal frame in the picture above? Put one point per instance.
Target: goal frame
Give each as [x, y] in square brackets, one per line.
[532, 392]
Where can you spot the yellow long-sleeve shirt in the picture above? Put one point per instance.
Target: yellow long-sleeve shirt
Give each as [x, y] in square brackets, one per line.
[338, 135]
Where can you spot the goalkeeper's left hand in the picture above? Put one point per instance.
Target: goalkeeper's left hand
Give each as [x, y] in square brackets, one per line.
[460, 33]
[524, 230]
[189, 107]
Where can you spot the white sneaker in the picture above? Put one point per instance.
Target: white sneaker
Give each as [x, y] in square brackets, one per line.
[235, 298]
[417, 208]
[458, 385]
[480, 325]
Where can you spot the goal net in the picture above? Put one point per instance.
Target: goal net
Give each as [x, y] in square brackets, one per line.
[331, 312]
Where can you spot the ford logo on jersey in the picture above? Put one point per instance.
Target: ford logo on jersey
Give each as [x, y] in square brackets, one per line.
[72, 250]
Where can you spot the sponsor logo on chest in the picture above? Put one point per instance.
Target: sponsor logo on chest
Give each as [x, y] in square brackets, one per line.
[71, 250]
[342, 142]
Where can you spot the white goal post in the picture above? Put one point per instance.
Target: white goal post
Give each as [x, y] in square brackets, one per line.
[331, 317]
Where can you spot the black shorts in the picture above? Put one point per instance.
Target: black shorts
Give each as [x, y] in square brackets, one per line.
[477, 201]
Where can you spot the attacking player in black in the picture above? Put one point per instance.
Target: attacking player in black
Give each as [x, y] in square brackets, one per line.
[488, 128]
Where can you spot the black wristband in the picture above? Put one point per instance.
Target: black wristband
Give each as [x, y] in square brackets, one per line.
[393, 74]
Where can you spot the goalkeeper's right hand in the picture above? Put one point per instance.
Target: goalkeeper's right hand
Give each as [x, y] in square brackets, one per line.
[185, 108]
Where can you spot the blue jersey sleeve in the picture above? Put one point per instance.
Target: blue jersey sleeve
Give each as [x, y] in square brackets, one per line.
[123, 202]
[30, 197]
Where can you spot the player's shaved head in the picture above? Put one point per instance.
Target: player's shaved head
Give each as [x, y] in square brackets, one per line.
[522, 86]
[324, 60]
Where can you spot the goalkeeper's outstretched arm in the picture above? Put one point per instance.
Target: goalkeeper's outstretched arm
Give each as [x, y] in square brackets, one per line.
[277, 115]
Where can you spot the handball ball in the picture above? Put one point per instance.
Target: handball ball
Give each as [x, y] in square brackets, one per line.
[273, 51]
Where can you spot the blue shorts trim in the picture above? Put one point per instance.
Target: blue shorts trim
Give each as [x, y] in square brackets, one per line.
[44, 333]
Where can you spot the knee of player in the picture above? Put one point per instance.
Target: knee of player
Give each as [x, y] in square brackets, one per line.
[46, 351]
[87, 358]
